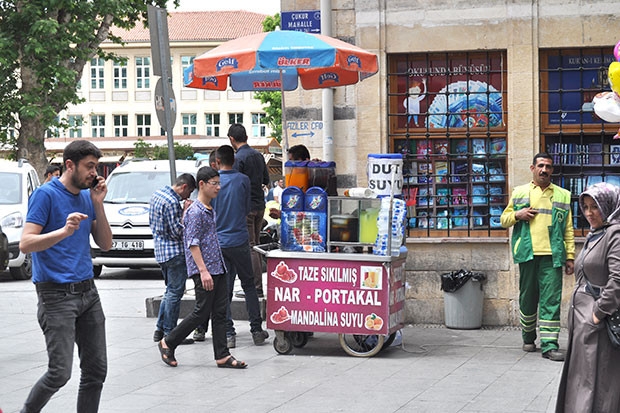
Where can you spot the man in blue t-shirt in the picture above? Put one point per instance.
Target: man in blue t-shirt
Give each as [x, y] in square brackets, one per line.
[232, 206]
[250, 162]
[61, 216]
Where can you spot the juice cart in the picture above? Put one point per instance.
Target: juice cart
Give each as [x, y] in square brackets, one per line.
[360, 297]
[325, 276]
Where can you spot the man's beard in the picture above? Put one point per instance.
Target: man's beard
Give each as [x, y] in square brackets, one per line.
[75, 182]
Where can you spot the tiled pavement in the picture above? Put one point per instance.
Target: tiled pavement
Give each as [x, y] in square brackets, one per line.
[435, 370]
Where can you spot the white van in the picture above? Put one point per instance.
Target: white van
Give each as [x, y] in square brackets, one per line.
[126, 204]
[18, 180]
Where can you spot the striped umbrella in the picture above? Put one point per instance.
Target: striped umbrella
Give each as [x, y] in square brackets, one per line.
[280, 60]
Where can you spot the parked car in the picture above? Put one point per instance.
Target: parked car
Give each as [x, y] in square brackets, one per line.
[4, 250]
[18, 180]
[126, 204]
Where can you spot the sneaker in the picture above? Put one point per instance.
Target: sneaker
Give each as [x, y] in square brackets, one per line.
[529, 347]
[231, 342]
[240, 294]
[199, 334]
[158, 335]
[259, 337]
[187, 341]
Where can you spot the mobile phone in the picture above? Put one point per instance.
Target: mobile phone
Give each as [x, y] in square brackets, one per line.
[95, 182]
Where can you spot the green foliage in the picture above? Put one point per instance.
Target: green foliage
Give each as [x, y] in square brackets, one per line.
[180, 151]
[271, 23]
[45, 44]
[144, 149]
[272, 101]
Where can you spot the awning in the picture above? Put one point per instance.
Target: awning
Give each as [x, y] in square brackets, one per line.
[112, 159]
[274, 165]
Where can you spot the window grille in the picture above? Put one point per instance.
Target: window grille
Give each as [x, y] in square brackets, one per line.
[447, 116]
[581, 144]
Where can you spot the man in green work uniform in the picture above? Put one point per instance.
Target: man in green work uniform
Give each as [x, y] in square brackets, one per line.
[542, 242]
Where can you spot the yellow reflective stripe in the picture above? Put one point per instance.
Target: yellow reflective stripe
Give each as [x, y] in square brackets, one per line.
[549, 323]
[544, 211]
[528, 329]
[549, 329]
[549, 335]
[528, 317]
[561, 205]
[528, 322]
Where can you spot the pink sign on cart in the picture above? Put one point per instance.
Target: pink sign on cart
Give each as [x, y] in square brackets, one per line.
[350, 297]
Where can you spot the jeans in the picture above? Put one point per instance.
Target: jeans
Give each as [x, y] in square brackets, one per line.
[239, 262]
[68, 318]
[175, 275]
[254, 221]
[208, 304]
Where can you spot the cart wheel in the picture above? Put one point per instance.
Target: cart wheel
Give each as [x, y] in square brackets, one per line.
[283, 345]
[389, 340]
[358, 345]
[298, 338]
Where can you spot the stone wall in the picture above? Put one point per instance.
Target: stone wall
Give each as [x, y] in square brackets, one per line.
[522, 28]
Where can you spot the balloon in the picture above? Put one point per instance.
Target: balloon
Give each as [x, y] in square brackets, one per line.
[607, 106]
[617, 51]
[614, 76]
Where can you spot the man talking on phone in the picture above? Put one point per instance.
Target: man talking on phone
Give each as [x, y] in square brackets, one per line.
[62, 215]
[542, 243]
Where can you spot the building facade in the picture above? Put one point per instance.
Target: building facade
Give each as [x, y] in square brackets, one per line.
[119, 97]
[469, 92]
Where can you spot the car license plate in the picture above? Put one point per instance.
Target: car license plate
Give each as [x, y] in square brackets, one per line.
[128, 245]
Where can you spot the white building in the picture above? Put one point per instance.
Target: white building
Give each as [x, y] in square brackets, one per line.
[119, 98]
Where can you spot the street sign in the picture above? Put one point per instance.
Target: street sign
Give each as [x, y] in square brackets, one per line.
[304, 128]
[160, 107]
[308, 21]
[160, 45]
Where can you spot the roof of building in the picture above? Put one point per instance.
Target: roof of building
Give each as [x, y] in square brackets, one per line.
[200, 26]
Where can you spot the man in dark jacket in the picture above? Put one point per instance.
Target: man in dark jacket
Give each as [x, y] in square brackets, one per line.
[251, 163]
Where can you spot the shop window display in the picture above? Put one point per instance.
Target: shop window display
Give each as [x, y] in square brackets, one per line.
[581, 144]
[447, 117]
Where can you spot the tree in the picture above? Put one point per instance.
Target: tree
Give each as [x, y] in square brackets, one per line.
[181, 151]
[44, 46]
[272, 100]
[144, 149]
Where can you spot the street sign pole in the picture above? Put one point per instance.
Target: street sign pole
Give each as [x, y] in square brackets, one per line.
[328, 94]
[158, 23]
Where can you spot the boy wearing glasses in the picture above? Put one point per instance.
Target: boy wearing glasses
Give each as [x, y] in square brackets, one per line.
[205, 265]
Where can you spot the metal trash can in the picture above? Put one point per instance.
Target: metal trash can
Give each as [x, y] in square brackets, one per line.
[463, 299]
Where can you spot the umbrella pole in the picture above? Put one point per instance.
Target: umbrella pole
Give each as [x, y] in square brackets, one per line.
[284, 128]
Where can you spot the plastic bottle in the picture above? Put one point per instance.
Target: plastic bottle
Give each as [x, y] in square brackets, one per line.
[359, 193]
[384, 226]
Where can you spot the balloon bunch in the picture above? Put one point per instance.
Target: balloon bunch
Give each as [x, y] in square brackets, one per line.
[607, 104]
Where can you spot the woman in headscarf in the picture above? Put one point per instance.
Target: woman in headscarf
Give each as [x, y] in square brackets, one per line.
[591, 375]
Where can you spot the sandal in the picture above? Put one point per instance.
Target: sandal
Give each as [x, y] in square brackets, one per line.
[167, 355]
[232, 363]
